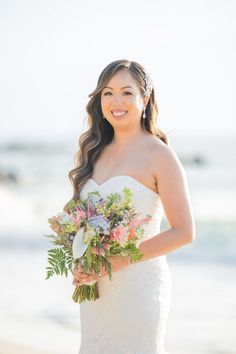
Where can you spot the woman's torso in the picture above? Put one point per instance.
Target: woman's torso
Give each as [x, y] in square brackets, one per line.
[133, 160]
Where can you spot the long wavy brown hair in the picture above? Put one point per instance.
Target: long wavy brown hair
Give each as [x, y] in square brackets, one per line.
[100, 131]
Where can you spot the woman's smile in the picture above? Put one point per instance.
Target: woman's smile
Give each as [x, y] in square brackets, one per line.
[119, 113]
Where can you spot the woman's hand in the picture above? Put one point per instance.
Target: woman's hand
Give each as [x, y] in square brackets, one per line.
[118, 263]
[82, 278]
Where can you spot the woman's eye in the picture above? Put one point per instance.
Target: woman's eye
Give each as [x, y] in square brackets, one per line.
[108, 93]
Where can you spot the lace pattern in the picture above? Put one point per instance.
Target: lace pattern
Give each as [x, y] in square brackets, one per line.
[131, 313]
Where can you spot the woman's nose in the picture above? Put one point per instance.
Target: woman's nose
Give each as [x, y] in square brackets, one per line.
[117, 99]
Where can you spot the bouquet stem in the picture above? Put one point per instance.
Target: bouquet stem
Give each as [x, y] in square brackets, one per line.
[85, 292]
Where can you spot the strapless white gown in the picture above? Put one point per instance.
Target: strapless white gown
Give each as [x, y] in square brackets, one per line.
[131, 313]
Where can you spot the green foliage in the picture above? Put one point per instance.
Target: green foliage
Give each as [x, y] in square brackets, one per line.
[132, 251]
[129, 249]
[128, 195]
[116, 205]
[60, 262]
[108, 268]
[89, 255]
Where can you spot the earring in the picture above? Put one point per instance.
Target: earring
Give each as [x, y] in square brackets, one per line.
[144, 113]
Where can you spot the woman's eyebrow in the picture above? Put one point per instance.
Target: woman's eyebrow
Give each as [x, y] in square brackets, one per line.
[122, 88]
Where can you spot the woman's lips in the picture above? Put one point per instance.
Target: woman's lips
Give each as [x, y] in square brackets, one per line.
[118, 114]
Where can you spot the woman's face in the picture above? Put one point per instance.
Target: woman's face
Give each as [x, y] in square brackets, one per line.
[121, 99]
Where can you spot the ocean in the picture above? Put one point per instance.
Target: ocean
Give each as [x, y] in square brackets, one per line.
[34, 185]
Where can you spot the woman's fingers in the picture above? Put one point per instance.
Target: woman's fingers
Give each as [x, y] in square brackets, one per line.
[80, 277]
[87, 281]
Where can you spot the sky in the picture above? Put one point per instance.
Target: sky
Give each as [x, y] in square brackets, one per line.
[52, 52]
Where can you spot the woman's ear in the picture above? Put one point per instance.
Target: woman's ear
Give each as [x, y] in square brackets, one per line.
[146, 100]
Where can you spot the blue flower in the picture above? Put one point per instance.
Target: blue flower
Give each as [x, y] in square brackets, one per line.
[99, 223]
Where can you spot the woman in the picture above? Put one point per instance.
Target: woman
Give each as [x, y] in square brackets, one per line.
[123, 147]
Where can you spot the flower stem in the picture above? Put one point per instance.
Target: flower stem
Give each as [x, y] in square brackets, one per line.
[85, 292]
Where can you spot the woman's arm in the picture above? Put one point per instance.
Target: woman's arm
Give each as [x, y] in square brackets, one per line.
[173, 190]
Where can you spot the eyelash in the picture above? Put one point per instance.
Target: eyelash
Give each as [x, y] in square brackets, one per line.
[126, 92]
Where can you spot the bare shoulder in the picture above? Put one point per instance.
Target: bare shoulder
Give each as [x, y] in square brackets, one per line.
[164, 159]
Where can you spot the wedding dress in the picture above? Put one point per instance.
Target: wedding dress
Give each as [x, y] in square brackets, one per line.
[131, 313]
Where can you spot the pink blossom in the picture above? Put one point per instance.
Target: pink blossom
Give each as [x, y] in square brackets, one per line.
[134, 223]
[78, 217]
[119, 234]
[81, 213]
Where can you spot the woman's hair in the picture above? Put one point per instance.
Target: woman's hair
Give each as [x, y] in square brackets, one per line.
[100, 131]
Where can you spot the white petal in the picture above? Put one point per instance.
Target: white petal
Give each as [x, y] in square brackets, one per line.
[79, 247]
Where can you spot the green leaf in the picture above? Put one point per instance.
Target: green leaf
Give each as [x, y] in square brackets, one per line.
[60, 261]
[89, 255]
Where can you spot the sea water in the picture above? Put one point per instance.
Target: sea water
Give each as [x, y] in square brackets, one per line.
[34, 185]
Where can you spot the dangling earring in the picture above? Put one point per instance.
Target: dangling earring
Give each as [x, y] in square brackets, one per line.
[144, 113]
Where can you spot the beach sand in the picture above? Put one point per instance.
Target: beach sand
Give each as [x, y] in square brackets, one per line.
[14, 348]
[39, 317]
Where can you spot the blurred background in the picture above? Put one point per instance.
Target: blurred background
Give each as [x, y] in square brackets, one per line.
[51, 55]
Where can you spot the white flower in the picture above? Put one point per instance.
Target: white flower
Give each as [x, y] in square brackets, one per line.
[79, 246]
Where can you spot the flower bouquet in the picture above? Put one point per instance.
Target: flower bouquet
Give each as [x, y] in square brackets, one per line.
[91, 230]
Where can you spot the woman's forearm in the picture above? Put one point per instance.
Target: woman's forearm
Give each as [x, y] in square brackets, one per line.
[165, 242]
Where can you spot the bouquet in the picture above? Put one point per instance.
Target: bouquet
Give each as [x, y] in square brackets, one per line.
[90, 231]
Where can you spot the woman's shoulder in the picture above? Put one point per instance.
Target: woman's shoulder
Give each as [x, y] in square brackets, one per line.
[163, 156]
[157, 147]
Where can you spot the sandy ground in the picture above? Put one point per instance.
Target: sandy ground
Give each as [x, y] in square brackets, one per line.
[38, 316]
[11, 348]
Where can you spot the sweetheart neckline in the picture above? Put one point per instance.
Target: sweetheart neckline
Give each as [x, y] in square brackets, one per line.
[134, 179]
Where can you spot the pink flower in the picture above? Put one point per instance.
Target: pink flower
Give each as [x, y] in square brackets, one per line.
[81, 213]
[78, 217]
[119, 234]
[136, 222]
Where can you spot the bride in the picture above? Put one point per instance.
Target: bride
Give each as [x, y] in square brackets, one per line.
[124, 147]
